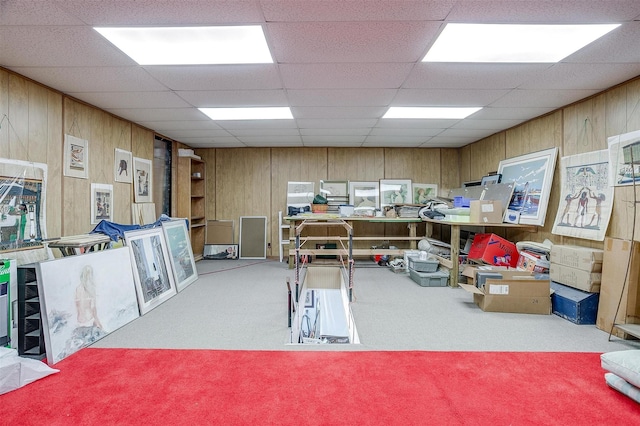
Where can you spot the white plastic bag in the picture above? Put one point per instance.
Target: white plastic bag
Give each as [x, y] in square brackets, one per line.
[16, 371]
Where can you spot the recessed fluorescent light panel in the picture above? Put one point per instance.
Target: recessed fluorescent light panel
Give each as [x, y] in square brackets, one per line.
[430, 112]
[261, 113]
[191, 45]
[512, 43]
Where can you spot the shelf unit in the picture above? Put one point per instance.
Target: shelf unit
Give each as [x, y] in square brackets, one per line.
[192, 201]
[30, 332]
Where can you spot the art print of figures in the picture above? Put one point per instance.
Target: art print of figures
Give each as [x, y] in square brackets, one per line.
[395, 191]
[585, 207]
[101, 202]
[76, 157]
[532, 175]
[180, 252]
[624, 159]
[423, 192]
[300, 194]
[85, 298]
[123, 166]
[153, 277]
[142, 180]
[22, 217]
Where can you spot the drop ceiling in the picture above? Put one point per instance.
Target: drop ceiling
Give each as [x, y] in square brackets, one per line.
[338, 64]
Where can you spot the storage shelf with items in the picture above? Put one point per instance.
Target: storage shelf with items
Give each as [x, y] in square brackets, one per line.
[192, 200]
[30, 332]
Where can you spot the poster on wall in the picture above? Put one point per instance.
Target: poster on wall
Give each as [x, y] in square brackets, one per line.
[76, 157]
[123, 166]
[101, 202]
[85, 298]
[22, 211]
[587, 197]
[142, 180]
[532, 175]
[624, 159]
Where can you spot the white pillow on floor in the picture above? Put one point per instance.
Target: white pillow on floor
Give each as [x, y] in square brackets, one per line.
[625, 364]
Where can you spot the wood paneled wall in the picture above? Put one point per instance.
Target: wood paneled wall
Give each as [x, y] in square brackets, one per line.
[252, 181]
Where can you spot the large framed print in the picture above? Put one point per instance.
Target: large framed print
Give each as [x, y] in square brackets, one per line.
[364, 195]
[143, 180]
[423, 192]
[532, 175]
[395, 191]
[76, 157]
[587, 196]
[151, 267]
[123, 166]
[180, 253]
[624, 159]
[84, 298]
[300, 194]
[101, 202]
[334, 188]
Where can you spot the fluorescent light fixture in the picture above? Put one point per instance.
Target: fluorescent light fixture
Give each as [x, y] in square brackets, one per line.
[261, 113]
[512, 43]
[430, 112]
[191, 45]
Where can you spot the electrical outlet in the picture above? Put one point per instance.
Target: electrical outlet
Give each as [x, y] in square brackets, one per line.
[268, 245]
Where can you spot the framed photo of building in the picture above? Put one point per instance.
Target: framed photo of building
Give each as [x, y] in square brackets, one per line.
[180, 253]
[143, 181]
[423, 192]
[153, 276]
[101, 202]
[395, 191]
[532, 175]
[364, 195]
[123, 166]
[76, 157]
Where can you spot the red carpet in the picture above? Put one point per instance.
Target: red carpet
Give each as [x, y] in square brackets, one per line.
[197, 387]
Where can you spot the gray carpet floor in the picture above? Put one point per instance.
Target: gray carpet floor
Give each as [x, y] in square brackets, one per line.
[242, 304]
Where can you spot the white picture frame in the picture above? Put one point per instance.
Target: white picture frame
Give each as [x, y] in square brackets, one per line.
[123, 166]
[364, 195]
[101, 203]
[300, 194]
[334, 188]
[84, 298]
[76, 157]
[586, 200]
[395, 192]
[143, 180]
[152, 272]
[183, 263]
[423, 192]
[622, 171]
[532, 175]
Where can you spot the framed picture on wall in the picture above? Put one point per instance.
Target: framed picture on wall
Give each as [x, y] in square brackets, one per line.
[395, 191]
[152, 273]
[423, 192]
[364, 195]
[142, 180]
[76, 157]
[101, 202]
[123, 166]
[180, 254]
[532, 175]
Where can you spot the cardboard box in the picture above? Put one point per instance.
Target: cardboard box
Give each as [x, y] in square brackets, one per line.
[585, 258]
[522, 296]
[494, 250]
[486, 211]
[574, 305]
[617, 287]
[533, 262]
[471, 272]
[576, 278]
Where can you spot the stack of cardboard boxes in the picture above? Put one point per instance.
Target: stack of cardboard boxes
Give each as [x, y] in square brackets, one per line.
[576, 274]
